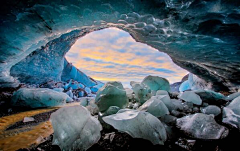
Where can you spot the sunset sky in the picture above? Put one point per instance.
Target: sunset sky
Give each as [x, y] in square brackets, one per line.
[113, 55]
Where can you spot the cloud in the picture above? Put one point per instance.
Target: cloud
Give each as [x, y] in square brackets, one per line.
[113, 55]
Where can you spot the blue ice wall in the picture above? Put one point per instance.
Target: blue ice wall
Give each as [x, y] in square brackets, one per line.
[200, 36]
[71, 72]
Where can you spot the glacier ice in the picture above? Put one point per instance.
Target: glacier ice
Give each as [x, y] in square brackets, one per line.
[190, 96]
[71, 72]
[162, 92]
[154, 106]
[156, 83]
[201, 126]
[196, 83]
[88, 90]
[231, 113]
[58, 89]
[232, 96]
[167, 101]
[92, 107]
[211, 97]
[141, 92]
[51, 26]
[38, 97]
[184, 86]
[85, 101]
[211, 109]
[129, 93]
[111, 94]
[111, 110]
[75, 128]
[138, 124]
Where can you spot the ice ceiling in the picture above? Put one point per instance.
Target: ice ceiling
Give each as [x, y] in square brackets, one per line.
[200, 36]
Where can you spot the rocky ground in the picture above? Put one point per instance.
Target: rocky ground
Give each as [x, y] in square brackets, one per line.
[203, 112]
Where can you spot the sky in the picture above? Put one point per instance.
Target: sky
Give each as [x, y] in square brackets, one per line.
[113, 55]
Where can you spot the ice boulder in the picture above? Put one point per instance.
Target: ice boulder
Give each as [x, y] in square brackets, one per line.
[58, 89]
[162, 92]
[75, 128]
[184, 86]
[154, 106]
[231, 113]
[38, 97]
[190, 96]
[156, 83]
[142, 92]
[92, 107]
[138, 124]
[167, 101]
[232, 96]
[111, 94]
[111, 110]
[201, 126]
[211, 109]
[95, 88]
[129, 93]
[88, 90]
[211, 97]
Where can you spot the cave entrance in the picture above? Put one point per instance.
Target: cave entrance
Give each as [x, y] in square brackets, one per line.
[112, 54]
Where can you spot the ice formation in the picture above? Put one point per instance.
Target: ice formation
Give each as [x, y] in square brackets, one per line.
[156, 83]
[154, 106]
[111, 94]
[129, 121]
[202, 126]
[190, 96]
[111, 110]
[231, 113]
[38, 97]
[211, 97]
[232, 96]
[75, 128]
[211, 109]
[141, 92]
[179, 28]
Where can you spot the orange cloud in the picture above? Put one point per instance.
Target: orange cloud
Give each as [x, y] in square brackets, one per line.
[113, 55]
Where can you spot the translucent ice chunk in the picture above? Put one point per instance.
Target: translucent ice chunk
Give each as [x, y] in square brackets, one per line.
[167, 101]
[211, 97]
[75, 128]
[111, 94]
[38, 97]
[138, 124]
[184, 86]
[142, 92]
[190, 96]
[232, 96]
[231, 113]
[202, 126]
[156, 83]
[162, 92]
[58, 89]
[111, 110]
[129, 94]
[88, 90]
[154, 106]
[211, 109]
[92, 107]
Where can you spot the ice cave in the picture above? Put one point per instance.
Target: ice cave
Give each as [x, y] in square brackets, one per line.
[48, 103]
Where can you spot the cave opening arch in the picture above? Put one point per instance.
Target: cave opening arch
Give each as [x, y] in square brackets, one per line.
[210, 55]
